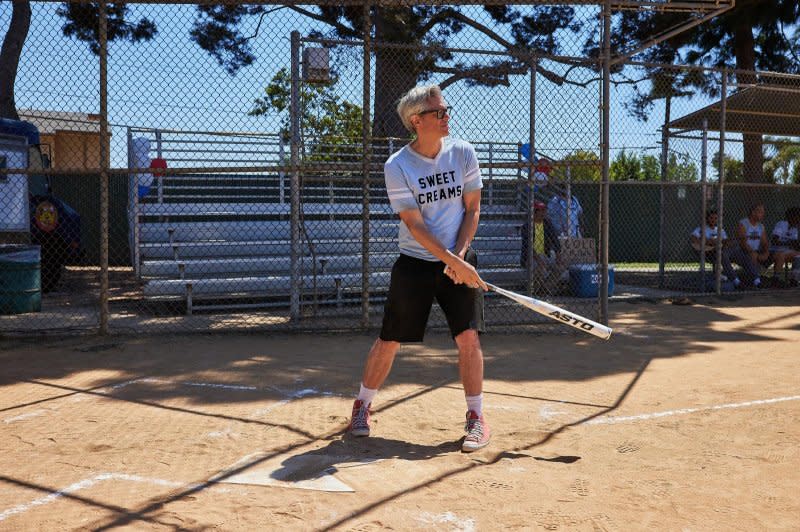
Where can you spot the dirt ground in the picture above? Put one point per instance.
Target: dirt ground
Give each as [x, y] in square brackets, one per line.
[687, 419]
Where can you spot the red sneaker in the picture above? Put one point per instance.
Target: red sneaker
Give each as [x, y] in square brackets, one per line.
[359, 422]
[478, 433]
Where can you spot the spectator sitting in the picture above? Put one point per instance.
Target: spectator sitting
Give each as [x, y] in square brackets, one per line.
[563, 225]
[784, 242]
[752, 249]
[713, 232]
[545, 243]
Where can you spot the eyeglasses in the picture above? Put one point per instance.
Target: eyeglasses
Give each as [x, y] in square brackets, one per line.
[439, 112]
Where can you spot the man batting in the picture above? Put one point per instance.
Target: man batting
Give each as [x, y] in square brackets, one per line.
[434, 184]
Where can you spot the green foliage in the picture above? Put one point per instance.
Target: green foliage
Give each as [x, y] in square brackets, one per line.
[754, 35]
[83, 23]
[681, 168]
[733, 168]
[635, 167]
[651, 168]
[782, 164]
[331, 126]
[587, 169]
[214, 31]
[625, 167]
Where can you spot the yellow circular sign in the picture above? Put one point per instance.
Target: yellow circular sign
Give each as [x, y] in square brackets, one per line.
[46, 216]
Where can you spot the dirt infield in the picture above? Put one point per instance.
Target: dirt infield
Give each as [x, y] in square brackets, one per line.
[687, 419]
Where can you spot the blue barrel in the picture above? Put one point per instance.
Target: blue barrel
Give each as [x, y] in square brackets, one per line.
[584, 279]
[20, 279]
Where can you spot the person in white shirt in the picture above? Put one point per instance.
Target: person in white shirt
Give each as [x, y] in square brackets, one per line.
[752, 249]
[434, 185]
[713, 233]
[784, 243]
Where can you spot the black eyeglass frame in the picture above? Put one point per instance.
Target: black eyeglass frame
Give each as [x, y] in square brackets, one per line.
[439, 112]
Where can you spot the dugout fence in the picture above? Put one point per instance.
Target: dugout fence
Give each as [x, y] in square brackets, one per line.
[228, 190]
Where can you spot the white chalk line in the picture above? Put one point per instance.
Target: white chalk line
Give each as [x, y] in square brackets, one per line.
[87, 483]
[81, 485]
[449, 518]
[150, 380]
[289, 395]
[682, 411]
[21, 417]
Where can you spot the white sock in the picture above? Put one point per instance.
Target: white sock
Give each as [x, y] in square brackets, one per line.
[475, 403]
[736, 282]
[366, 394]
[757, 281]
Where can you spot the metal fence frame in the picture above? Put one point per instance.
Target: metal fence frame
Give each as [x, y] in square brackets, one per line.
[295, 166]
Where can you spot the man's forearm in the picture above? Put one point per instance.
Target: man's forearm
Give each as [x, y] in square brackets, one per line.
[469, 226]
[745, 246]
[422, 235]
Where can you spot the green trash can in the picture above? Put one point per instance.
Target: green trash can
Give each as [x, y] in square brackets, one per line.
[20, 279]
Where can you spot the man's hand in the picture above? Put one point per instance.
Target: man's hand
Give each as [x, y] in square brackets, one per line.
[462, 272]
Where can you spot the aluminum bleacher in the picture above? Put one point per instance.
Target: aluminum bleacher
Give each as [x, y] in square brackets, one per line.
[223, 240]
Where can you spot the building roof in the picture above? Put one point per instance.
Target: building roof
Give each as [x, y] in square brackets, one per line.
[764, 110]
[48, 122]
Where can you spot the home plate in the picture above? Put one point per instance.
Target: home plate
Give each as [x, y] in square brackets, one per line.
[305, 472]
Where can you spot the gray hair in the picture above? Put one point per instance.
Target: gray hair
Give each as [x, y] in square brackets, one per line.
[414, 102]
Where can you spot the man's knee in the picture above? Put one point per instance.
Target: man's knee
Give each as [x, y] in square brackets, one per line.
[384, 348]
[467, 340]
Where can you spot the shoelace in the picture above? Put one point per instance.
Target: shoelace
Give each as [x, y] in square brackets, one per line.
[360, 417]
[474, 429]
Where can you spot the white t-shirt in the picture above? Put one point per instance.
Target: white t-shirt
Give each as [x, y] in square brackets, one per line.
[785, 234]
[711, 232]
[753, 233]
[434, 186]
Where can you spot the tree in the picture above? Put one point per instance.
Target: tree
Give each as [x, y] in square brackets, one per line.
[330, 125]
[216, 29]
[751, 36]
[733, 168]
[587, 167]
[651, 168]
[10, 54]
[625, 167]
[81, 22]
[783, 163]
[633, 167]
[680, 168]
[399, 68]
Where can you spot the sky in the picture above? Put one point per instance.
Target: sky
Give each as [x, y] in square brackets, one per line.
[170, 83]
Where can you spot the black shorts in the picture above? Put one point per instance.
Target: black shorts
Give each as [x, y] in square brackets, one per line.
[413, 286]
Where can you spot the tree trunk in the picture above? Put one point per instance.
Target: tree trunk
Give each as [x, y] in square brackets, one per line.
[393, 78]
[10, 54]
[746, 60]
[396, 72]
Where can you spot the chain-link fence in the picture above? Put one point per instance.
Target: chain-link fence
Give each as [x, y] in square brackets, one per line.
[243, 165]
[667, 217]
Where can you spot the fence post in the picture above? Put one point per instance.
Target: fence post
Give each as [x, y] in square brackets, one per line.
[281, 173]
[366, 167]
[604, 188]
[294, 223]
[133, 207]
[720, 202]
[104, 167]
[661, 194]
[159, 154]
[531, 237]
[704, 207]
[491, 173]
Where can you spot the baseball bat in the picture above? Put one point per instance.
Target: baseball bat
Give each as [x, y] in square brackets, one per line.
[556, 313]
